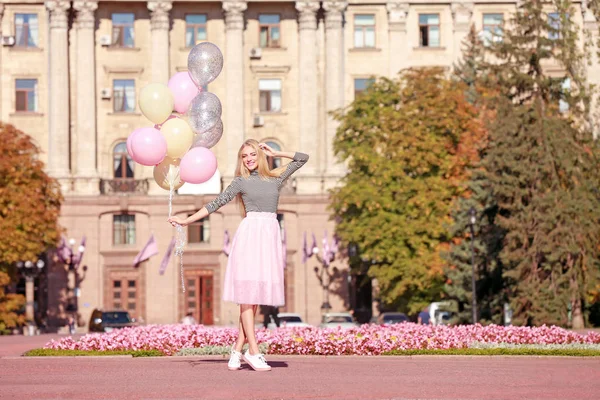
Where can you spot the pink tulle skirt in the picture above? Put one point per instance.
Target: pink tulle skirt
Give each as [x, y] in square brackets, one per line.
[254, 272]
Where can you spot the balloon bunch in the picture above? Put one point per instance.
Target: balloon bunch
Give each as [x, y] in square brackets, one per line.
[187, 123]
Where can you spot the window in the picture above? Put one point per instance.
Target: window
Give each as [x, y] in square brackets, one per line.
[26, 95]
[554, 22]
[270, 95]
[26, 30]
[199, 231]
[122, 162]
[364, 31]
[360, 85]
[195, 29]
[122, 33]
[124, 95]
[492, 28]
[563, 106]
[123, 229]
[429, 29]
[269, 30]
[274, 162]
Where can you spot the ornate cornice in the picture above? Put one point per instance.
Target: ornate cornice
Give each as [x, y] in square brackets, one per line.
[58, 13]
[461, 15]
[397, 12]
[85, 13]
[334, 13]
[159, 14]
[234, 14]
[307, 14]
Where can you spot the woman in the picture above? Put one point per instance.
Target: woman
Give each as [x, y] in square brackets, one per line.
[254, 274]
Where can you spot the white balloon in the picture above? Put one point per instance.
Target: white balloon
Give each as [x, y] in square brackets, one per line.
[204, 112]
[205, 63]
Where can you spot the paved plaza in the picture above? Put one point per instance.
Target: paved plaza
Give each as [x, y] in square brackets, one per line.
[294, 377]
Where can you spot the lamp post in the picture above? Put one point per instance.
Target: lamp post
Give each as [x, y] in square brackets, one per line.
[72, 259]
[472, 221]
[30, 270]
[325, 256]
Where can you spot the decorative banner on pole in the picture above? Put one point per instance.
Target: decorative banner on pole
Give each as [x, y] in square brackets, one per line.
[165, 261]
[149, 250]
[226, 243]
[305, 252]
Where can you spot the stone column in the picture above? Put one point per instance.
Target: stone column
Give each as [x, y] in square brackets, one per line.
[334, 81]
[86, 175]
[399, 48]
[591, 27]
[461, 23]
[58, 93]
[234, 76]
[159, 27]
[308, 90]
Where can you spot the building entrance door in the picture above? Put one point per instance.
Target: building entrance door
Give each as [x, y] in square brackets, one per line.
[199, 296]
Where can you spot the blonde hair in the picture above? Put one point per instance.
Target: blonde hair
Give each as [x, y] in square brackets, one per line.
[262, 168]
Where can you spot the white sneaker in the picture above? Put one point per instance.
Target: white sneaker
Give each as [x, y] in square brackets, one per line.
[257, 361]
[235, 362]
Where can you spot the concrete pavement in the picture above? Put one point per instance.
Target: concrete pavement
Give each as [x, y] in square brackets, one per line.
[293, 377]
[302, 377]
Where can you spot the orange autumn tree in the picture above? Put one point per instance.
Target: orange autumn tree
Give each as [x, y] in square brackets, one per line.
[407, 144]
[30, 203]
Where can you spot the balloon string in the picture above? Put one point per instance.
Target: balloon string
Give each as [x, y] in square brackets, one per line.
[179, 237]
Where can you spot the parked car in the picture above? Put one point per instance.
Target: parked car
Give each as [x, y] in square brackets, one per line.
[342, 319]
[106, 321]
[390, 318]
[291, 320]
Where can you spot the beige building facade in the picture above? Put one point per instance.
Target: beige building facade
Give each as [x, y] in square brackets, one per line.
[70, 74]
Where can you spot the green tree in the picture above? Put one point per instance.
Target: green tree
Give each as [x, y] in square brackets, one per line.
[542, 166]
[30, 200]
[488, 235]
[407, 144]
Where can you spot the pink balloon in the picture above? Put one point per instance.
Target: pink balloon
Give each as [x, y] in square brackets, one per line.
[198, 165]
[129, 139]
[149, 146]
[184, 90]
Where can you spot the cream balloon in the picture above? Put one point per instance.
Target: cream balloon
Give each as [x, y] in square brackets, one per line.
[167, 173]
[156, 102]
[179, 137]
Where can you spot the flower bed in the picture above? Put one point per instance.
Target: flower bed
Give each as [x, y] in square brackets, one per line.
[364, 340]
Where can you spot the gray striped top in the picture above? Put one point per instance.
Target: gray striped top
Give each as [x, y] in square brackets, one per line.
[259, 195]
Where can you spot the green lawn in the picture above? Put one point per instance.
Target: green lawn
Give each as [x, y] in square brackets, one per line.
[51, 352]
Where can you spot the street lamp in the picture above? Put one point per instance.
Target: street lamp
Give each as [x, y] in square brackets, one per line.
[30, 271]
[325, 257]
[472, 221]
[72, 259]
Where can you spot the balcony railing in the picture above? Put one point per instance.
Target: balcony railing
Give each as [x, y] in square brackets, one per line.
[124, 186]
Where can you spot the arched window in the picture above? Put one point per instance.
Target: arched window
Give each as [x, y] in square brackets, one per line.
[274, 162]
[122, 162]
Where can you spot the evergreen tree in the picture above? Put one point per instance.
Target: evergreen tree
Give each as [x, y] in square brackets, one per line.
[488, 235]
[542, 165]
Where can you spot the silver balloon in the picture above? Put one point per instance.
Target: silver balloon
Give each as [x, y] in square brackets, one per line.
[204, 112]
[209, 138]
[205, 63]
